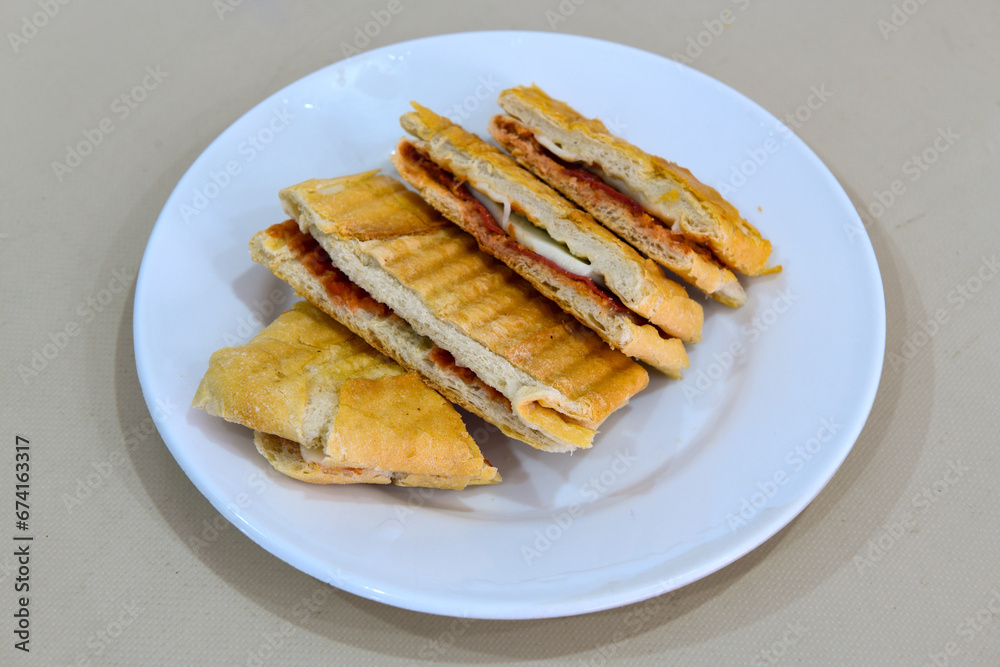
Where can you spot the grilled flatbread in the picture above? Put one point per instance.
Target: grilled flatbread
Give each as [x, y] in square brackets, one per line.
[578, 296]
[298, 259]
[341, 412]
[621, 214]
[666, 191]
[560, 378]
[551, 225]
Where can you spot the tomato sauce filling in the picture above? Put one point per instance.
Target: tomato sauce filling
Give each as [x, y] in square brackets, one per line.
[317, 262]
[488, 222]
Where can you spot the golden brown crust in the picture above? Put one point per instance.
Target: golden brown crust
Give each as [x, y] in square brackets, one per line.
[619, 213]
[492, 305]
[396, 423]
[637, 281]
[297, 258]
[661, 184]
[307, 379]
[516, 340]
[285, 456]
[284, 380]
[366, 206]
[590, 305]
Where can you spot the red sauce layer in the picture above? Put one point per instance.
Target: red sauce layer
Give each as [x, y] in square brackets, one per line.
[498, 241]
[317, 262]
[444, 360]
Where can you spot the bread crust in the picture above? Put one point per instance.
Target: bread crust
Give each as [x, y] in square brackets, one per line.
[285, 456]
[637, 281]
[619, 213]
[590, 305]
[298, 259]
[307, 379]
[666, 190]
[487, 317]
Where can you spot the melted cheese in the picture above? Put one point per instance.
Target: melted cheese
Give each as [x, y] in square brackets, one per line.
[596, 170]
[559, 151]
[534, 238]
[312, 455]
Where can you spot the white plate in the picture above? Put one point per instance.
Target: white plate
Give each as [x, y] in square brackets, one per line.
[687, 478]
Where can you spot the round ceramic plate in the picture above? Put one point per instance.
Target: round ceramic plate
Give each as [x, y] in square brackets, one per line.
[687, 478]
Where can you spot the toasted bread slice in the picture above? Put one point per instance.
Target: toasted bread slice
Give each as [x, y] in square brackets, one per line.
[298, 259]
[636, 281]
[580, 297]
[665, 190]
[358, 415]
[560, 378]
[619, 213]
[286, 457]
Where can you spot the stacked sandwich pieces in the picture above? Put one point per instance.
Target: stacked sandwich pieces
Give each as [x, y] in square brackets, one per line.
[527, 309]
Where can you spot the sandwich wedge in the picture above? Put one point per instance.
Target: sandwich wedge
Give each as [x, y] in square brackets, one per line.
[560, 379]
[561, 249]
[298, 259]
[577, 295]
[656, 205]
[327, 408]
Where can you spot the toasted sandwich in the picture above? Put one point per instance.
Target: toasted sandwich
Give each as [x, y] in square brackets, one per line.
[561, 249]
[560, 379]
[298, 259]
[580, 296]
[327, 408]
[658, 206]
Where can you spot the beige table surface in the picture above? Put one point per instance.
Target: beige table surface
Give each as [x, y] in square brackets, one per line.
[896, 562]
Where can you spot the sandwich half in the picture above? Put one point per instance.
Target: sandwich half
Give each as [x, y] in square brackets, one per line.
[329, 409]
[653, 203]
[298, 259]
[564, 240]
[560, 378]
[580, 296]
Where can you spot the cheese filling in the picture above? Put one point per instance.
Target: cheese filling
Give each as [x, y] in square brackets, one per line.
[596, 170]
[312, 455]
[535, 238]
[559, 151]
